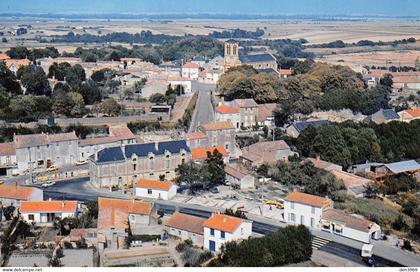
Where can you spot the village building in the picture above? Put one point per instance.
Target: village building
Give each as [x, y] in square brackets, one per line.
[239, 177]
[190, 70]
[379, 171]
[199, 60]
[406, 80]
[45, 212]
[221, 134]
[225, 113]
[199, 154]
[197, 139]
[40, 151]
[350, 226]
[233, 58]
[305, 209]
[15, 64]
[248, 110]
[116, 216]
[155, 189]
[296, 128]
[7, 158]
[220, 229]
[126, 63]
[209, 76]
[122, 166]
[383, 116]
[409, 115]
[183, 82]
[269, 152]
[13, 195]
[286, 73]
[265, 114]
[185, 226]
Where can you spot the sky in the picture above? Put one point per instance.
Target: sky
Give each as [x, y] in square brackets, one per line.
[277, 7]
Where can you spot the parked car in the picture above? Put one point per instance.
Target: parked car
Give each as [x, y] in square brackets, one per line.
[214, 190]
[81, 162]
[48, 184]
[1, 181]
[52, 168]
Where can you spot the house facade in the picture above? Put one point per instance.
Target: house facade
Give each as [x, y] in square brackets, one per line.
[45, 212]
[225, 113]
[221, 134]
[119, 166]
[190, 70]
[155, 189]
[240, 177]
[36, 151]
[305, 209]
[13, 195]
[185, 226]
[220, 229]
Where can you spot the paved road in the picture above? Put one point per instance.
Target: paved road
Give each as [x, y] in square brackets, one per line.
[203, 112]
[385, 254]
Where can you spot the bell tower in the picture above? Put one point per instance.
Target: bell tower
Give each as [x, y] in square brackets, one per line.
[231, 54]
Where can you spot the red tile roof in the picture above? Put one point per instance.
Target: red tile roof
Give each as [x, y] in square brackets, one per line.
[286, 72]
[4, 56]
[201, 152]
[226, 109]
[191, 65]
[246, 103]
[97, 141]
[122, 133]
[308, 199]
[154, 184]
[114, 212]
[195, 135]
[7, 149]
[186, 222]
[48, 206]
[223, 222]
[17, 62]
[62, 137]
[414, 112]
[15, 192]
[218, 126]
[350, 180]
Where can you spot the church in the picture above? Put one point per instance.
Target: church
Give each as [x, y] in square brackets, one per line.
[265, 61]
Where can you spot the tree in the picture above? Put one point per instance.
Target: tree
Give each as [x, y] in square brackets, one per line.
[90, 92]
[34, 80]
[9, 81]
[62, 103]
[215, 167]
[387, 80]
[19, 52]
[371, 190]
[157, 98]
[110, 107]
[58, 70]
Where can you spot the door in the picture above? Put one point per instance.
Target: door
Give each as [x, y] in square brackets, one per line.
[212, 246]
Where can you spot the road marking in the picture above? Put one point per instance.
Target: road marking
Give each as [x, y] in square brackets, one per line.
[318, 242]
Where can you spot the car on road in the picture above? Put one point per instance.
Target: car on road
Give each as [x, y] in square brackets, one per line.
[1, 181]
[47, 184]
[214, 190]
[81, 162]
[52, 168]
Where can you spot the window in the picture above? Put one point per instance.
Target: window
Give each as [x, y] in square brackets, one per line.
[149, 191]
[132, 217]
[134, 167]
[312, 222]
[40, 163]
[292, 217]
[152, 163]
[222, 234]
[292, 205]
[313, 210]
[212, 232]
[31, 217]
[168, 163]
[302, 220]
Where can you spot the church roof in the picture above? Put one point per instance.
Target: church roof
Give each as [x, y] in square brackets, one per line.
[257, 58]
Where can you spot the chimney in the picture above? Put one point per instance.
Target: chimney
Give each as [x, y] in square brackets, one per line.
[49, 199]
[318, 159]
[96, 155]
[224, 219]
[62, 204]
[156, 145]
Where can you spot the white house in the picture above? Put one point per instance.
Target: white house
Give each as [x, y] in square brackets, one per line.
[185, 226]
[190, 70]
[14, 195]
[220, 229]
[350, 226]
[181, 81]
[225, 113]
[155, 189]
[305, 209]
[47, 211]
[240, 177]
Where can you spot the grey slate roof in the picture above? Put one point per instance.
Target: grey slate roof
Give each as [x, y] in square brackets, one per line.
[257, 58]
[390, 114]
[267, 70]
[403, 166]
[300, 126]
[141, 150]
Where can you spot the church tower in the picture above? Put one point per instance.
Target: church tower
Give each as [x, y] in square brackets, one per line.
[231, 54]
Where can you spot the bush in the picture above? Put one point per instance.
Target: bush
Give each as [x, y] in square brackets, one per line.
[407, 245]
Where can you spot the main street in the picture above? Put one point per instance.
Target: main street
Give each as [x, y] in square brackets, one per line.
[203, 111]
[385, 254]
